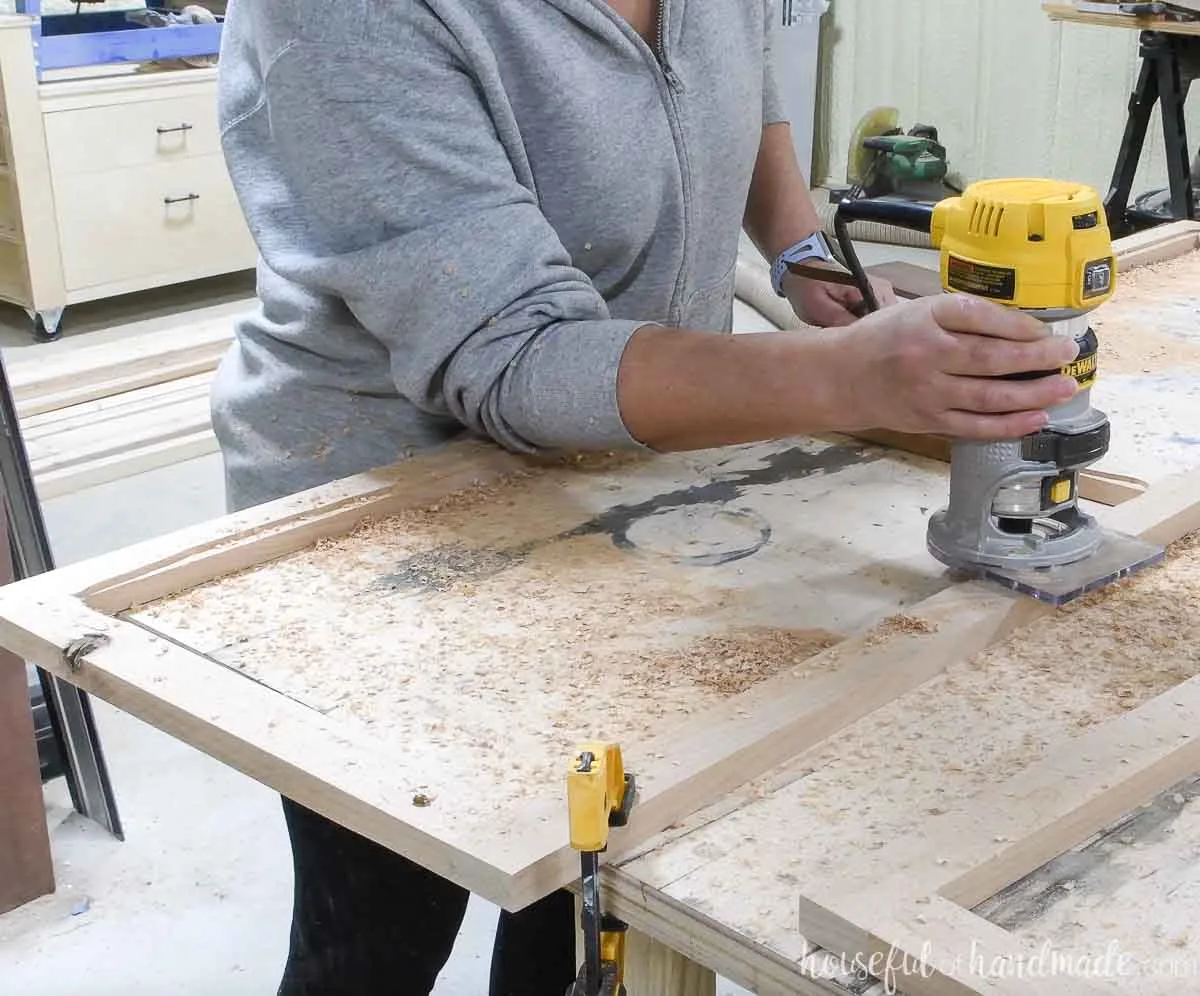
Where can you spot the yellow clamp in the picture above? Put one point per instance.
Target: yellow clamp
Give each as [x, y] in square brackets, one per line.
[599, 795]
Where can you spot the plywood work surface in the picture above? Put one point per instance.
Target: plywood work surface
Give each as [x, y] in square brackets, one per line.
[1149, 382]
[1128, 895]
[480, 638]
[1152, 324]
[744, 863]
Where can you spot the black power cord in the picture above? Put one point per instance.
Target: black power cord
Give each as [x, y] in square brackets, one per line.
[914, 215]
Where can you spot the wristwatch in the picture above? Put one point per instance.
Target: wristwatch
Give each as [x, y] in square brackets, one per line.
[814, 247]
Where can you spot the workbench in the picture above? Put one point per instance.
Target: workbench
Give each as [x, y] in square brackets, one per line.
[1170, 53]
[841, 749]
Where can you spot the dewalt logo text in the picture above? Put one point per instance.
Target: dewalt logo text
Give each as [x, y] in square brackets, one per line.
[1082, 368]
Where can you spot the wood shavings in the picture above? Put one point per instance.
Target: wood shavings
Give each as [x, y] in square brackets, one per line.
[734, 663]
[473, 621]
[897, 625]
[926, 754]
[434, 513]
[1152, 324]
[593, 463]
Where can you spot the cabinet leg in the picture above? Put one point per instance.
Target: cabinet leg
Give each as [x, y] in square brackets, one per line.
[653, 969]
[47, 324]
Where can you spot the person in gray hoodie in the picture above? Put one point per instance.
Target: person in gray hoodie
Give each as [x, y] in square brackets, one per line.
[519, 219]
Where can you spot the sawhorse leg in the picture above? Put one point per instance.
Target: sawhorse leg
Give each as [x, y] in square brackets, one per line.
[653, 969]
[1173, 86]
[1141, 107]
[1169, 65]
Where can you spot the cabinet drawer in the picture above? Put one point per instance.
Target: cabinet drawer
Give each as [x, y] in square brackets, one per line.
[114, 136]
[133, 224]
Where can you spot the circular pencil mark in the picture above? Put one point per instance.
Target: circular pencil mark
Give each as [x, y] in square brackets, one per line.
[700, 535]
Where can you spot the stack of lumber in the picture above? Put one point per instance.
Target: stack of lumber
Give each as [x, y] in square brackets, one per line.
[98, 413]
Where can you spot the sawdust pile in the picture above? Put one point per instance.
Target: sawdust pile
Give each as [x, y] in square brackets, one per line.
[447, 514]
[731, 664]
[1152, 324]
[433, 514]
[1123, 645]
[897, 625]
[986, 719]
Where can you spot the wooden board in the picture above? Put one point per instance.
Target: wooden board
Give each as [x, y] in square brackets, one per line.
[1067, 12]
[480, 664]
[26, 867]
[731, 878]
[97, 413]
[1157, 245]
[119, 435]
[58, 378]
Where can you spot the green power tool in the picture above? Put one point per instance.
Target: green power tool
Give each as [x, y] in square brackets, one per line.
[916, 156]
[885, 161]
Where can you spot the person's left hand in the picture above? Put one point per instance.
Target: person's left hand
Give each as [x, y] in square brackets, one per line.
[824, 304]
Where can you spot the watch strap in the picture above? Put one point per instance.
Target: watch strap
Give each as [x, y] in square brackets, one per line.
[816, 246]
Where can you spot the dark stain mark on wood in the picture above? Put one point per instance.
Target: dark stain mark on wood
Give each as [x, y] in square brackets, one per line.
[1090, 868]
[786, 465]
[445, 567]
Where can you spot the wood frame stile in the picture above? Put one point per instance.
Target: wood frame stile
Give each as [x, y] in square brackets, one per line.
[67, 621]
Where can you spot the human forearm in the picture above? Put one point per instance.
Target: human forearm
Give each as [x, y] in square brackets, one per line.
[779, 214]
[683, 390]
[779, 208]
[934, 365]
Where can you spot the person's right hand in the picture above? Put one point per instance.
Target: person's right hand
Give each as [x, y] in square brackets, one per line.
[932, 366]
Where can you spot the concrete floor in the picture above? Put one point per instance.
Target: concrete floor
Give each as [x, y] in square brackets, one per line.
[196, 900]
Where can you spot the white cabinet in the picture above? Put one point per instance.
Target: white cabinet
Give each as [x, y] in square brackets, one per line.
[109, 184]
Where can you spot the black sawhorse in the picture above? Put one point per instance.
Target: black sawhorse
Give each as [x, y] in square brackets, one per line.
[1170, 63]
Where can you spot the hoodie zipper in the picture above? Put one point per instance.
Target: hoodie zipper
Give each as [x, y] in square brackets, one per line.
[660, 49]
[674, 86]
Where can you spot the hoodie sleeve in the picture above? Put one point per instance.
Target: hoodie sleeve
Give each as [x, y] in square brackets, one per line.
[377, 176]
[773, 110]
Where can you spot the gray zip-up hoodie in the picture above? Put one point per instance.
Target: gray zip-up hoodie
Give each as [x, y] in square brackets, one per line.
[464, 209]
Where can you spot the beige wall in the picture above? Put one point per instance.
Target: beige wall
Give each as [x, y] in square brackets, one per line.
[1012, 93]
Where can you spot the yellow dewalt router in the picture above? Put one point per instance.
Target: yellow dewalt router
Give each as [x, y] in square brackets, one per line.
[600, 796]
[1042, 246]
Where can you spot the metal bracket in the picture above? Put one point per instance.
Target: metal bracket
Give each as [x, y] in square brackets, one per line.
[68, 708]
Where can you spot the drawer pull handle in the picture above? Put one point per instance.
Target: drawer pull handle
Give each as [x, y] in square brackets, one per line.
[168, 131]
[181, 200]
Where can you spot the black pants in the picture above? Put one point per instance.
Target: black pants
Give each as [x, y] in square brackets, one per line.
[367, 922]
